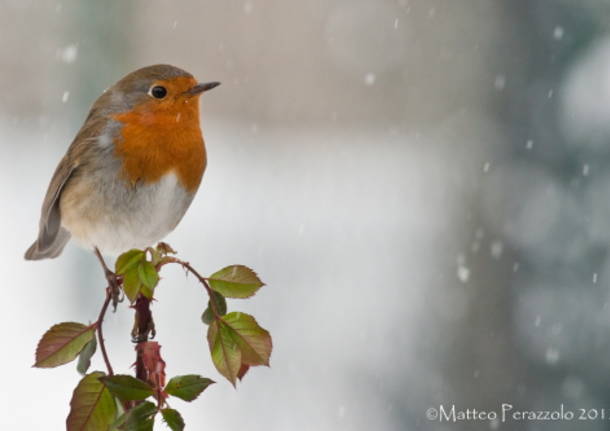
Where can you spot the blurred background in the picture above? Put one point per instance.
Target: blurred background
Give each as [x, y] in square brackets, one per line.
[421, 184]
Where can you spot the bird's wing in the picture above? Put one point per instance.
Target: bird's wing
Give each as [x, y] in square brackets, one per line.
[50, 218]
[51, 236]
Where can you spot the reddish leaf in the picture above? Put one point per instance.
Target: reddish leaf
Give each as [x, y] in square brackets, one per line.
[165, 248]
[62, 344]
[242, 371]
[254, 342]
[236, 340]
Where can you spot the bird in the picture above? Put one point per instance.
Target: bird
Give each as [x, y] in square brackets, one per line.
[133, 168]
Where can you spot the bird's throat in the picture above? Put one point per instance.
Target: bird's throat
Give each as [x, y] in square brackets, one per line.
[152, 144]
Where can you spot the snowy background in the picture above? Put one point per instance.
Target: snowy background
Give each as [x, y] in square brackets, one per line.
[423, 186]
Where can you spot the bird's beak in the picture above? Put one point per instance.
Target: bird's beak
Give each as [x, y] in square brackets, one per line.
[202, 87]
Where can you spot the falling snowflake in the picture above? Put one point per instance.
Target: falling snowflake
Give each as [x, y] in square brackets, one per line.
[496, 248]
[500, 82]
[463, 274]
[558, 33]
[69, 54]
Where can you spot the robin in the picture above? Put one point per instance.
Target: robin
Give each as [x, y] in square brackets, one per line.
[132, 170]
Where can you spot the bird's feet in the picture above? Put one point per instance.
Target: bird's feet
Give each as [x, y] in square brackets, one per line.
[114, 281]
[114, 285]
[144, 325]
[139, 334]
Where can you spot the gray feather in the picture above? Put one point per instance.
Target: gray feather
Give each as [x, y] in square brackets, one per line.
[52, 238]
[52, 250]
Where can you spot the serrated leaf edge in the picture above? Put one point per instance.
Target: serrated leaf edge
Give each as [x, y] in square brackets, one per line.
[90, 412]
[244, 340]
[87, 328]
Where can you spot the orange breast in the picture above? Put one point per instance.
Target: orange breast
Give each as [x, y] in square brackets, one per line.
[155, 142]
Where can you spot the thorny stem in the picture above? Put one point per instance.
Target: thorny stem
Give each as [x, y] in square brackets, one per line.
[100, 334]
[111, 278]
[111, 293]
[100, 319]
[153, 373]
[144, 320]
[144, 324]
[144, 329]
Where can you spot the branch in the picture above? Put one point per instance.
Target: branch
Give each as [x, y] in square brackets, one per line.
[143, 326]
[100, 334]
[94, 401]
[111, 292]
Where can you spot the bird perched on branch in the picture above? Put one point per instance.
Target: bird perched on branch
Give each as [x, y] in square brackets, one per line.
[132, 170]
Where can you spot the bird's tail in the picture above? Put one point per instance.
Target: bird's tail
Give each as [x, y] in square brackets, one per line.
[50, 250]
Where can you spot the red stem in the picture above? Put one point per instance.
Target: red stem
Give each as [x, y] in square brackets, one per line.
[143, 324]
[100, 334]
[111, 278]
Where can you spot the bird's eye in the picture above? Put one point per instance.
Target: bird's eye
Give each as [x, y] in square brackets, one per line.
[158, 92]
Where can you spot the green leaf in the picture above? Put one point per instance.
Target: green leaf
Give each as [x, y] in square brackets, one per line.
[155, 256]
[253, 341]
[219, 302]
[62, 343]
[235, 281]
[84, 358]
[129, 260]
[173, 419]
[187, 387]
[139, 418]
[127, 388]
[207, 316]
[148, 274]
[148, 277]
[224, 350]
[140, 277]
[221, 308]
[92, 407]
[132, 284]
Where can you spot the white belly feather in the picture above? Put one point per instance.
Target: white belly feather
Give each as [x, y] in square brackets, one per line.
[116, 219]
